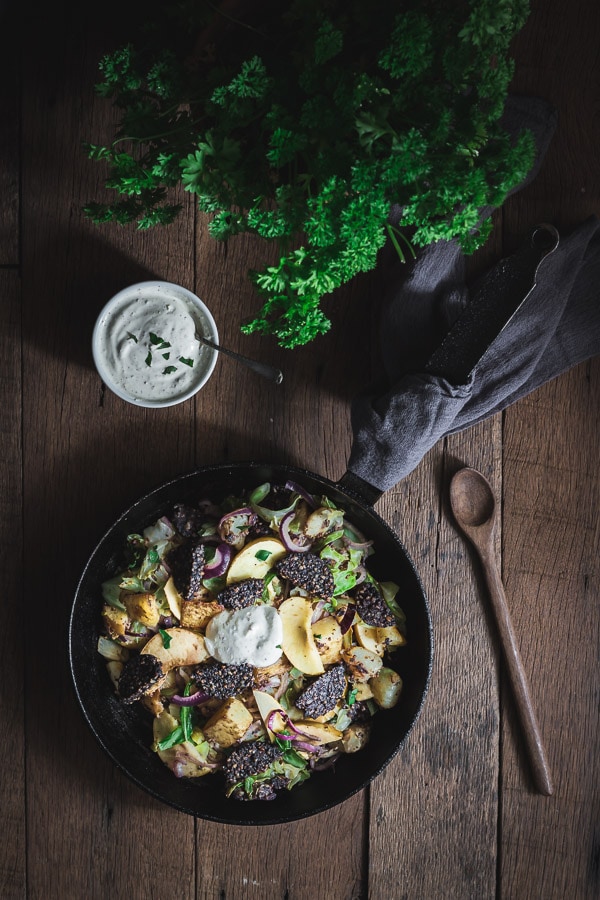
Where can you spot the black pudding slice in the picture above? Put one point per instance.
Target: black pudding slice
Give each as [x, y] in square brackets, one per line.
[249, 759]
[309, 572]
[139, 675]
[223, 681]
[186, 563]
[371, 607]
[242, 593]
[321, 696]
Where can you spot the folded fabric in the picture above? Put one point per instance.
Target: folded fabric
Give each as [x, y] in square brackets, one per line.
[556, 327]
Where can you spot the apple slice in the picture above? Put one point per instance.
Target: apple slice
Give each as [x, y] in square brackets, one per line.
[174, 598]
[328, 639]
[298, 642]
[186, 648]
[255, 559]
[267, 705]
[318, 732]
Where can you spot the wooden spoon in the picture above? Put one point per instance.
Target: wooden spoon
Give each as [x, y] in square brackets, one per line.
[474, 508]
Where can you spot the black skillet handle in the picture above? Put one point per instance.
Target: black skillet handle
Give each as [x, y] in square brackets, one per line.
[366, 493]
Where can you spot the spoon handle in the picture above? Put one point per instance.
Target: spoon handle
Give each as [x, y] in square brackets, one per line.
[263, 369]
[517, 676]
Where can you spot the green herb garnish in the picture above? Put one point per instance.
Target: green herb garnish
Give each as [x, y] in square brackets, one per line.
[418, 89]
[176, 737]
[262, 555]
[185, 715]
[166, 638]
[169, 370]
[186, 361]
[132, 337]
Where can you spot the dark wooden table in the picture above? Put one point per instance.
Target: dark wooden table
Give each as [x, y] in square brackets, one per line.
[455, 815]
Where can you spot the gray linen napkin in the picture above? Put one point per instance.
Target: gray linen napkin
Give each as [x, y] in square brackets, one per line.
[558, 326]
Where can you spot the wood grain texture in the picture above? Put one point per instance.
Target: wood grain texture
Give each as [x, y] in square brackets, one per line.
[10, 72]
[551, 847]
[86, 456]
[12, 635]
[442, 789]
[454, 815]
[552, 574]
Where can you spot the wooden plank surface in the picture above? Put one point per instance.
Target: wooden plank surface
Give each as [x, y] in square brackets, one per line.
[550, 847]
[86, 457]
[454, 815]
[10, 95]
[552, 576]
[443, 789]
[12, 633]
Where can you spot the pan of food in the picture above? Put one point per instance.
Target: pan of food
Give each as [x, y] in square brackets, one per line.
[251, 644]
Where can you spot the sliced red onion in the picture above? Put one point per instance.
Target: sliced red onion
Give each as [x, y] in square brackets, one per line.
[271, 718]
[360, 538]
[220, 563]
[232, 532]
[359, 545]
[283, 684]
[318, 612]
[298, 489]
[361, 575]
[289, 542]
[304, 745]
[192, 700]
[348, 618]
[288, 724]
[242, 511]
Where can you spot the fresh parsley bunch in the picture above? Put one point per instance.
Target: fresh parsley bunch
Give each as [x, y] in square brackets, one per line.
[304, 127]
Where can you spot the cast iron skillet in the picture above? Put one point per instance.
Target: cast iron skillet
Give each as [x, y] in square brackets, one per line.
[125, 732]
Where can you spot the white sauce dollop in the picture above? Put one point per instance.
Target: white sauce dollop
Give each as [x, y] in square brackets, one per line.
[251, 635]
[145, 343]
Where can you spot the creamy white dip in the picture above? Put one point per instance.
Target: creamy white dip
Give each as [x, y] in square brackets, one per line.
[251, 635]
[144, 343]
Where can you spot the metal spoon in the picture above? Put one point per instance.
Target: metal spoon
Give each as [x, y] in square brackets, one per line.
[270, 372]
[474, 508]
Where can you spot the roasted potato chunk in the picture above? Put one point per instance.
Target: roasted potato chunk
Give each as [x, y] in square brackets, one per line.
[115, 620]
[386, 687]
[229, 724]
[141, 608]
[355, 737]
[198, 613]
[362, 664]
